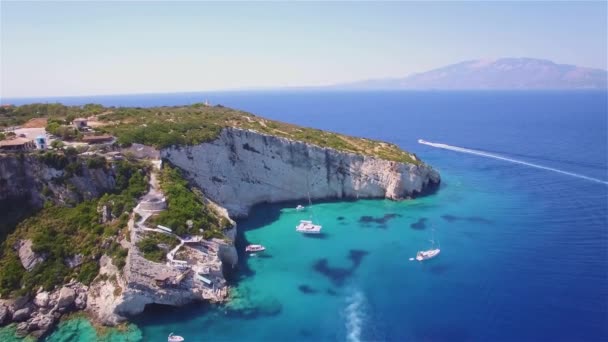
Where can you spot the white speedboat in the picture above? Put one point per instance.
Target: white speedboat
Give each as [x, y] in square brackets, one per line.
[175, 338]
[425, 255]
[254, 248]
[300, 207]
[307, 227]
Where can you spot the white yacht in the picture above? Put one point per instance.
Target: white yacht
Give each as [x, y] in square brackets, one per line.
[175, 338]
[307, 227]
[430, 253]
[300, 207]
[254, 248]
[425, 255]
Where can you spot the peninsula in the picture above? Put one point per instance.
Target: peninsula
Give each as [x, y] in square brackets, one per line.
[107, 209]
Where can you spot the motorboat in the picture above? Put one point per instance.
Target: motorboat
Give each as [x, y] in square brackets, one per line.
[425, 255]
[254, 248]
[175, 338]
[300, 207]
[307, 227]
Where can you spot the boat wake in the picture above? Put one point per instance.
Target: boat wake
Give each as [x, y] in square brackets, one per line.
[495, 156]
[355, 315]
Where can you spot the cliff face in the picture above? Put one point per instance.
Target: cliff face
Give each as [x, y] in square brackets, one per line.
[242, 168]
[26, 182]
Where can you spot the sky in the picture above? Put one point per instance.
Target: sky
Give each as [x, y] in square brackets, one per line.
[95, 48]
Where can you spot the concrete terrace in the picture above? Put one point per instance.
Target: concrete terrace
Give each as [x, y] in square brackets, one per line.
[200, 257]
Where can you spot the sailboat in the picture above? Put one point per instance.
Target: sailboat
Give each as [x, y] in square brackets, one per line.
[175, 338]
[307, 226]
[430, 253]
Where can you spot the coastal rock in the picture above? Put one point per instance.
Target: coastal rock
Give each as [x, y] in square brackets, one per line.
[40, 325]
[42, 299]
[66, 297]
[27, 182]
[81, 300]
[105, 294]
[242, 168]
[28, 258]
[22, 314]
[74, 261]
[4, 314]
[106, 214]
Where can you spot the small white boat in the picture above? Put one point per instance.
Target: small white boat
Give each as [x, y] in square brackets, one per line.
[300, 207]
[307, 227]
[254, 248]
[425, 255]
[175, 338]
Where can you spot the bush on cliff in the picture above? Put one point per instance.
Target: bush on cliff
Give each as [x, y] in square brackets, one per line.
[183, 205]
[149, 246]
[61, 232]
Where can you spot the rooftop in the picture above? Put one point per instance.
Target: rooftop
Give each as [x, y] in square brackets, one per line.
[15, 142]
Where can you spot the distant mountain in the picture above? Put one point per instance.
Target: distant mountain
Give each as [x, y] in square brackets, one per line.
[503, 73]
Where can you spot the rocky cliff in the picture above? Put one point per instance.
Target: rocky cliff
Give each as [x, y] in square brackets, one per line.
[27, 181]
[243, 167]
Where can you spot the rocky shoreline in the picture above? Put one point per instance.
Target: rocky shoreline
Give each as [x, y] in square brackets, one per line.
[37, 315]
[236, 171]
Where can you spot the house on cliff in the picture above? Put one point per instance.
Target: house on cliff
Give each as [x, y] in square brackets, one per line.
[17, 145]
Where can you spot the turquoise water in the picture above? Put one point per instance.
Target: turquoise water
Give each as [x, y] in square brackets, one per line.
[80, 329]
[524, 251]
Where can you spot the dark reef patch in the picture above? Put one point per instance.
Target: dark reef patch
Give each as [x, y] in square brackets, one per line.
[420, 224]
[443, 334]
[305, 333]
[340, 218]
[379, 221]
[331, 292]
[320, 236]
[338, 275]
[439, 269]
[307, 289]
[472, 219]
[356, 256]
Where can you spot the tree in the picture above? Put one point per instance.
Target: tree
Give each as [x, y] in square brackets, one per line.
[57, 144]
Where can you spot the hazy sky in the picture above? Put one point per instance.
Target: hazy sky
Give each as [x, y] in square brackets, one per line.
[86, 48]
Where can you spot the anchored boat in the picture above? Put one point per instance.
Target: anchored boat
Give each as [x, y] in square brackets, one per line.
[430, 253]
[425, 255]
[307, 227]
[254, 248]
[175, 338]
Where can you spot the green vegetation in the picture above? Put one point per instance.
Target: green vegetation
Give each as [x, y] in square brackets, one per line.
[12, 116]
[62, 129]
[2, 136]
[149, 246]
[60, 232]
[189, 125]
[168, 126]
[57, 144]
[184, 204]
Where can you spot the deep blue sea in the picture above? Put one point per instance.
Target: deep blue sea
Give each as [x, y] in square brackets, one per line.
[524, 250]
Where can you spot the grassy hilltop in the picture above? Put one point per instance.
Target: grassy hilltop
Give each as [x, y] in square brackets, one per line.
[197, 123]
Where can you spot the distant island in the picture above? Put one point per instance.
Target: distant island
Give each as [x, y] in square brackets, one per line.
[496, 74]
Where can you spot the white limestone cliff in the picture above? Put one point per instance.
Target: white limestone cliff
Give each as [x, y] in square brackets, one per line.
[242, 168]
